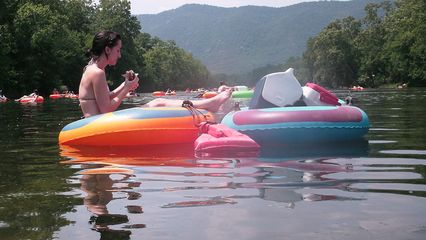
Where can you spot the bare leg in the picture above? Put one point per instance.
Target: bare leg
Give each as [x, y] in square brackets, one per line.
[209, 104]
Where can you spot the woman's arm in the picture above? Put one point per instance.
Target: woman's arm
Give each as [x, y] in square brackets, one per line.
[102, 94]
[116, 91]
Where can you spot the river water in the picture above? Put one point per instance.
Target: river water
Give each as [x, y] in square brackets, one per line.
[371, 189]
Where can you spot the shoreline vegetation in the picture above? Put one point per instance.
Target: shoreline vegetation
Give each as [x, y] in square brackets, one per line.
[42, 47]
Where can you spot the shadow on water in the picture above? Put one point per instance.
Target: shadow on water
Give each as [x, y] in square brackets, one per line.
[357, 148]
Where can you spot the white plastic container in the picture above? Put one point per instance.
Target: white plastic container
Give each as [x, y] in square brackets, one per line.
[282, 88]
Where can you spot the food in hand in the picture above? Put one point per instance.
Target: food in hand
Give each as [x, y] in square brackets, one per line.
[130, 75]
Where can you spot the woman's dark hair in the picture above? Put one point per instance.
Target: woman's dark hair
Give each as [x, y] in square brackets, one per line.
[101, 40]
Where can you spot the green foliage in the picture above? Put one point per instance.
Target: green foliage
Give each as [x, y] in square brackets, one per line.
[332, 55]
[405, 45]
[40, 46]
[168, 66]
[387, 46]
[5, 59]
[43, 46]
[370, 41]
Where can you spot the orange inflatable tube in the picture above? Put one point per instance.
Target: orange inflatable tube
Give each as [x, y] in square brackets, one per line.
[36, 99]
[158, 93]
[209, 94]
[56, 96]
[135, 126]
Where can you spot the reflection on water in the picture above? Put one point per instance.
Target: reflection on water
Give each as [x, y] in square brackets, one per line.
[107, 174]
[372, 189]
[99, 189]
[281, 174]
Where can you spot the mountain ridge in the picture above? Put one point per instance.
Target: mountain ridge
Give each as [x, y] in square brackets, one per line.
[238, 39]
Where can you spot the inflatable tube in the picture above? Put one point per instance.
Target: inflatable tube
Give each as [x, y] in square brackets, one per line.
[209, 94]
[300, 124]
[356, 88]
[131, 95]
[242, 94]
[37, 99]
[134, 126]
[56, 96]
[158, 93]
[240, 88]
[71, 96]
[171, 93]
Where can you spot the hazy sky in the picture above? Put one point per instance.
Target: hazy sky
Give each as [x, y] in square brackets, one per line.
[156, 6]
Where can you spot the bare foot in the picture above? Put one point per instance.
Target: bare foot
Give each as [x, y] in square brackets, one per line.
[213, 104]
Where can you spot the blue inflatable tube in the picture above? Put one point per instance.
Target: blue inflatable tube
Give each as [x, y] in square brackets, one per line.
[306, 124]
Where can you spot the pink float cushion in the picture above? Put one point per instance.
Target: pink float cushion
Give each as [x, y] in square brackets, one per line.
[219, 138]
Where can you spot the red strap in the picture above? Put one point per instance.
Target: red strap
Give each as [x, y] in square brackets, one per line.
[325, 95]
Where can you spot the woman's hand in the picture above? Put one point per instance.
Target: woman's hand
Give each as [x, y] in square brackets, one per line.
[135, 83]
[131, 80]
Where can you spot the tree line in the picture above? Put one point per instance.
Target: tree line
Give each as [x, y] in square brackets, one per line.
[386, 47]
[43, 45]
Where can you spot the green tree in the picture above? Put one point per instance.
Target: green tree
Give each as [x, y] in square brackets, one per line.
[44, 47]
[373, 65]
[6, 68]
[43, 42]
[81, 15]
[333, 55]
[309, 60]
[168, 66]
[405, 45]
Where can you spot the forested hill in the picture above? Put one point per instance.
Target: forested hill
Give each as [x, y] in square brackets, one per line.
[237, 40]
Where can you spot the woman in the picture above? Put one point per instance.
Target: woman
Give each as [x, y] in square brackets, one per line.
[94, 94]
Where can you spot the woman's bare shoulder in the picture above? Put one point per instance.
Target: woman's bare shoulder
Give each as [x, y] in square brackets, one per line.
[94, 73]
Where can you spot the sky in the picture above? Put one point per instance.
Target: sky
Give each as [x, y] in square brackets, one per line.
[157, 6]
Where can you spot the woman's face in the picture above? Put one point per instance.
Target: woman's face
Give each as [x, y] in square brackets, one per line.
[114, 54]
